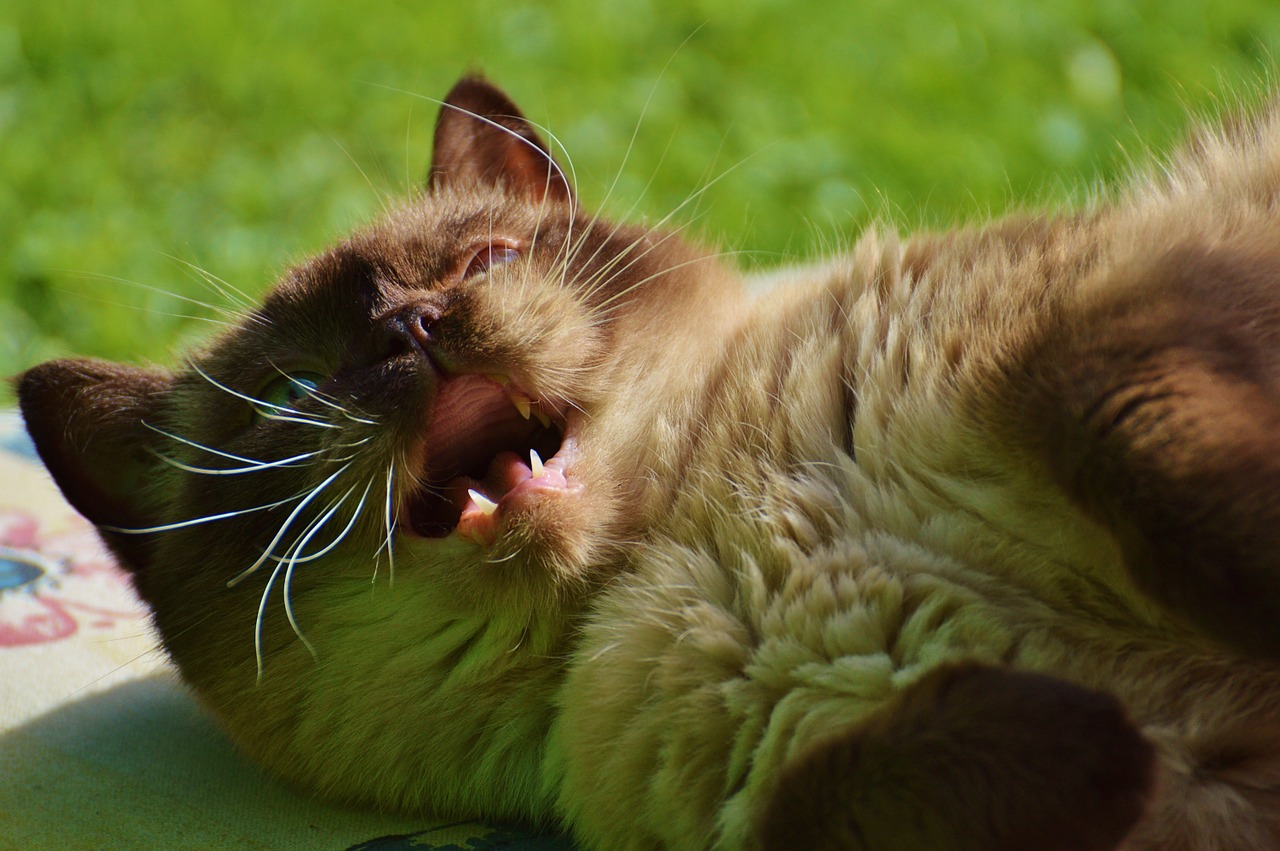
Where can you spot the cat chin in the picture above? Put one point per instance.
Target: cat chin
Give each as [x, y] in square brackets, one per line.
[538, 536]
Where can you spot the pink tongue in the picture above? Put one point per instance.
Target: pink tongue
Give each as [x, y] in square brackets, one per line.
[507, 470]
[471, 417]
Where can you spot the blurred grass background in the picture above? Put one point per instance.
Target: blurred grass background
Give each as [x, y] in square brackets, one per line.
[138, 137]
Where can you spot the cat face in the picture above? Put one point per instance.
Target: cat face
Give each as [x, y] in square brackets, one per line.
[429, 413]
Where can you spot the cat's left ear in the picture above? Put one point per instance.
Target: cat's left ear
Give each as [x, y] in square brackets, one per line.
[482, 139]
[88, 419]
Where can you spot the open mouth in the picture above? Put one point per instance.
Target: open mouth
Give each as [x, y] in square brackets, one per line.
[489, 449]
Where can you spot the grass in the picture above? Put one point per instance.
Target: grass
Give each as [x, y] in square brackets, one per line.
[138, 138]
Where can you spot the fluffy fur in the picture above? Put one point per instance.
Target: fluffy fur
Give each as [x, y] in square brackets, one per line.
[961, 541]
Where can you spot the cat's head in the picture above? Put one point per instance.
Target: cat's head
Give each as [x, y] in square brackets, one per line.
[458, 398]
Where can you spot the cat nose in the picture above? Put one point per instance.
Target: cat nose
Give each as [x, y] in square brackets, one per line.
[410, 329]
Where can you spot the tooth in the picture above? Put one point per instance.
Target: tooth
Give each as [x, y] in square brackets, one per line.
[522, 405]
[542, 418]
[535, 463]
[498, 378]
[486, 505]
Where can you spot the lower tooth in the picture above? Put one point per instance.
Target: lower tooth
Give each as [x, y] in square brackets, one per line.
[535, 463]
[486, 505]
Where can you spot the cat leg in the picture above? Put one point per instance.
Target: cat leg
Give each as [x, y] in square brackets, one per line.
[1154, 401]
[970, 758]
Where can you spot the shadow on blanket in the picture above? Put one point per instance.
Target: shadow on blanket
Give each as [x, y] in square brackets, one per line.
[140, 766]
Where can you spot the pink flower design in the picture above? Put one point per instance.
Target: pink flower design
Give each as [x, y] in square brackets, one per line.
[54, 584]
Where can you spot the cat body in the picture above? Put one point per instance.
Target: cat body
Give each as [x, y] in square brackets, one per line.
[962, 541]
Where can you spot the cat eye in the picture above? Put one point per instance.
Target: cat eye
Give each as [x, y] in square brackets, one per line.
[281, 393]
[488, 255]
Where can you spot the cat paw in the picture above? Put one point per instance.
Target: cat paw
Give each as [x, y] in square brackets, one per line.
[970, 758]
[1155, 404]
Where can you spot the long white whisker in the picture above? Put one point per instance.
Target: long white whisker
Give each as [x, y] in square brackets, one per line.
[326, 400]
[225, 323]
[168, 527]
[298, 417]
[233, 471]
[284, 527]
[257, 623]
[384, 197]
[599, 310]
[617, 227]
[610, 270]
[230, 314]
[635, 134]
[222, 287]
[201, 446]
[570, 178]
[693, 196]
[293, 562]
[389, 541]
[328, 548]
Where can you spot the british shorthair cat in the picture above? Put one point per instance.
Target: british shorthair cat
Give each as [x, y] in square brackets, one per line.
[963, 540]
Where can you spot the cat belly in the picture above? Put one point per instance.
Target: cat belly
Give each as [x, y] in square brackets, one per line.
[678, 722]
[707, 677]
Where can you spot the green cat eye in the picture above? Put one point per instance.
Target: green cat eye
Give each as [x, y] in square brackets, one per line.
[280, 394]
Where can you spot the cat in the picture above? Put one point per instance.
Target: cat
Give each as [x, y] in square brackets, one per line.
[967, 540]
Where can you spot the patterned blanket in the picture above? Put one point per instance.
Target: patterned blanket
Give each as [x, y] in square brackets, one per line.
[101, 747]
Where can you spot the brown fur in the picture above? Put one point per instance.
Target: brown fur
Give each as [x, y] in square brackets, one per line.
[962, 541]
[972, 758]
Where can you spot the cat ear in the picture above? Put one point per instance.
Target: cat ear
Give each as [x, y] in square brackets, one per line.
[87, 419]
[482, 139]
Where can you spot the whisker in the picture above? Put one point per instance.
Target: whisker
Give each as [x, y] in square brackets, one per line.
[599, 309]
[508, 557]
[631, 143]
[389, 542]
[326, 400]
[234, 471]
[693, 196]
[570, 178]
[328, 548]
[294, 561]
[384, 197]
[221, 286]
[225, 323]
[96, 276]
[257, 623]
[168, 527]
[284, 527]
[298, 416]
[201, 446]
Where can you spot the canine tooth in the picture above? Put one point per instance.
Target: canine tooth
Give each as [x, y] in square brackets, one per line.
[535, 463]
[522, 405]
[486, 505]
[542, 418]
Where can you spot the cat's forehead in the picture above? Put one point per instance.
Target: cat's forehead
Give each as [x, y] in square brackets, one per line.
[418, 243]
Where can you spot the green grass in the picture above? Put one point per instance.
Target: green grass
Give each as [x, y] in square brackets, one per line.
[139, 137]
